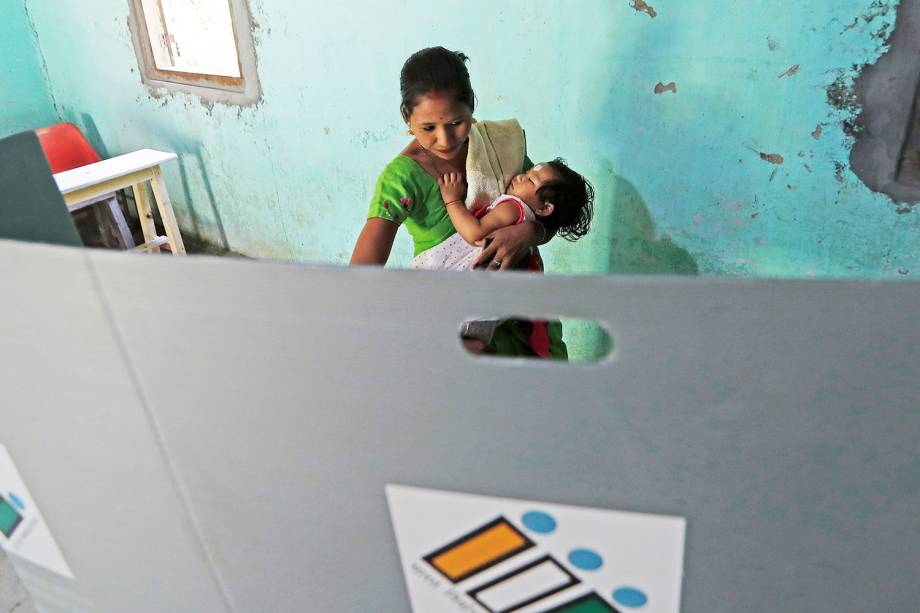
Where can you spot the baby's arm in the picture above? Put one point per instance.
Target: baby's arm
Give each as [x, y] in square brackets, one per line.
[470, 228]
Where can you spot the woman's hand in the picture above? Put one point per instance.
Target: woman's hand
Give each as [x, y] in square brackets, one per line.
[507, 246]
[452, 187]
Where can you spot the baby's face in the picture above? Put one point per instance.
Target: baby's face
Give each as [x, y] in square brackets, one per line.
[526, 184]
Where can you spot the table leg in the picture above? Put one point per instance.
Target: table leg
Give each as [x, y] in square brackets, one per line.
[145, 215]
[126, 241]
[166, 213]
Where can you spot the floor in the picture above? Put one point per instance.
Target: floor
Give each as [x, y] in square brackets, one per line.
[89, 231]
[13, 596]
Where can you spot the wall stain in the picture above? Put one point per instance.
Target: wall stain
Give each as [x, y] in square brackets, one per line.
[640, 6]
[773, 158]
[790, 72]
[366, 137]
[817, 133]
[841, 93]
[772, 44]
[882, 33]
[662, 88]
[850, 128]
[878, 8]
[839, 170]
[893, 24]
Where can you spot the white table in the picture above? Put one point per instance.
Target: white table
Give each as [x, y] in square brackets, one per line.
[87, 183]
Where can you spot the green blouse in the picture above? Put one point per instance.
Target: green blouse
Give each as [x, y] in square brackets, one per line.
[407, 195]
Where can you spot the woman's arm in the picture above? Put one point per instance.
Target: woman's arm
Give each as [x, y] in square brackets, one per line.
[511, 244]
[375, 242]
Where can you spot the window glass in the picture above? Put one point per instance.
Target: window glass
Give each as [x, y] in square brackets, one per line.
[192, 36]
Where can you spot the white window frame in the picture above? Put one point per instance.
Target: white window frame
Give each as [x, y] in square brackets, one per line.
[241, 91]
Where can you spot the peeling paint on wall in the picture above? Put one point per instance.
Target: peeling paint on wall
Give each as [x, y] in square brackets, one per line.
[841, 94]
[640, 6]
[662, 88]
[773, 158]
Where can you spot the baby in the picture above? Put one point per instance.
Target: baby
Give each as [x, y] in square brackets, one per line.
[550, 193]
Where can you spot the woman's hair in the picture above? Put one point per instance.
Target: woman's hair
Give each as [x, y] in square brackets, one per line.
[573, 202]
[435, 69]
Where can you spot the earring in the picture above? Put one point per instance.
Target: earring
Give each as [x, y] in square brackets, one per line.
[409, 132]
[472, 120]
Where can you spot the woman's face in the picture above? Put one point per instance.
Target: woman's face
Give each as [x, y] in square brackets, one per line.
[441, 125]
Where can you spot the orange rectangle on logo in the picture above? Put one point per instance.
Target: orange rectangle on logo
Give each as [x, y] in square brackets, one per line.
[478, 550]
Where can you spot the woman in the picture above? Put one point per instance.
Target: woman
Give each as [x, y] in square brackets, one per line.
[437, 106]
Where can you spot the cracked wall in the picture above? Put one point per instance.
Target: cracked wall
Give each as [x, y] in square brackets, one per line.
[25, 100]
[718, 135]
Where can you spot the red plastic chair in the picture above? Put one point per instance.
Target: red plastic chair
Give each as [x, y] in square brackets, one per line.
[66, 148]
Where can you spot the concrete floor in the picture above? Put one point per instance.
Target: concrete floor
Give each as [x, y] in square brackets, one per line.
[91, 236]
[13, 596]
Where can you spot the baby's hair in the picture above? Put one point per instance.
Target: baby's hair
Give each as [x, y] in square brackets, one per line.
[573, 202]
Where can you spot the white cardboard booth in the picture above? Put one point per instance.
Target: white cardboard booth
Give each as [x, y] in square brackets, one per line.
[215, 435]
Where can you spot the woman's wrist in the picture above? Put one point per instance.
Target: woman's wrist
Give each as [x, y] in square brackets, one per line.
[458, 200]
[539, 240]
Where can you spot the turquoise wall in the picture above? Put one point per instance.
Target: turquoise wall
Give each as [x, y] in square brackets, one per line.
[25, 102]
[681, 184]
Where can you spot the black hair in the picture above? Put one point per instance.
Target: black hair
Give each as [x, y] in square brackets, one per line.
[573, 202]
[435, 69]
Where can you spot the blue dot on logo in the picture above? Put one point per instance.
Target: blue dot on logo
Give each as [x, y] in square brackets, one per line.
[630, 597]
[585, 559]
[538, 521]
[16, 501]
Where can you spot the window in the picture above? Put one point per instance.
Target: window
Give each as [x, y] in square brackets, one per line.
[199, 46]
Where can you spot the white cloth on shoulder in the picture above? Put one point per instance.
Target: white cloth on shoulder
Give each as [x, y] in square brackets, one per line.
[454, 253]
[496, 153]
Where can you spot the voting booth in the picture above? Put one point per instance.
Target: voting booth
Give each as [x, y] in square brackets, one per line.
[210, 435]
